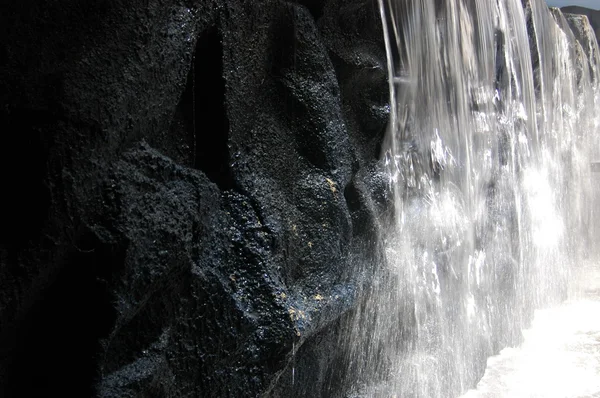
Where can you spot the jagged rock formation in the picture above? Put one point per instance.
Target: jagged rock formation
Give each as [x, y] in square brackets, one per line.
[593, 16]
[191, 194]
[187, 186]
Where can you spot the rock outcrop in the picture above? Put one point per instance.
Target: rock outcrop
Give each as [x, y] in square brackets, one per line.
[188, 187]
[192, 193]
[593, 16]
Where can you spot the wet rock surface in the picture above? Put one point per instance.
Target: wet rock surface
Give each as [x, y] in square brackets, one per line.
[188, 191]
[593, 16]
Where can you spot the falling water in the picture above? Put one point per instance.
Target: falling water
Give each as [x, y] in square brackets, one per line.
[493, 121]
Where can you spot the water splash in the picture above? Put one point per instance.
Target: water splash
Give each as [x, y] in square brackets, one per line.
[559, 355]
[492, 131]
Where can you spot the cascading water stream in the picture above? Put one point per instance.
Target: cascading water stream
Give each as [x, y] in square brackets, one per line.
[493, 126]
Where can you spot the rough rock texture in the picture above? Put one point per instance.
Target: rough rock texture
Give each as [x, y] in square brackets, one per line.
[585, 36]
[593, 16]
[192, 192]
[189, 188]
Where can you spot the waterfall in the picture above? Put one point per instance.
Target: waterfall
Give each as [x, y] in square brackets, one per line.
[493, 127]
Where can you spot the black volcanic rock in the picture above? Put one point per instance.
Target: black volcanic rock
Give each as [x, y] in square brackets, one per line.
[193, 194]
[189, 187]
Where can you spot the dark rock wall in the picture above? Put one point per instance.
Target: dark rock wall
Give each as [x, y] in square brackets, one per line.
[190, 194]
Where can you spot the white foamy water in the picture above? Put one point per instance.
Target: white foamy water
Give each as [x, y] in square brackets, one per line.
[493, 126]
[560, 354]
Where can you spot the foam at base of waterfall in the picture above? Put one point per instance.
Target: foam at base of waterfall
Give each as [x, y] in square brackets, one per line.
[560, 355]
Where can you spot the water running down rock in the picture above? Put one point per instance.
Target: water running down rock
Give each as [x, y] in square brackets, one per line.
[493, 129]
[201, 199]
